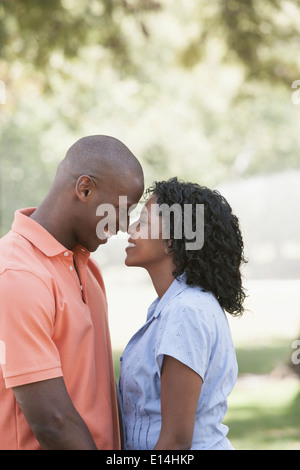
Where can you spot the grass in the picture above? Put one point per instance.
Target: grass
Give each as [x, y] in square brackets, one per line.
[117, 365]
[263, 359]
[264, 414]
[264, 409]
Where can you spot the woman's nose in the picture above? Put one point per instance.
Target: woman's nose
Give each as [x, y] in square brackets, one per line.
[123, 224]
[132, 228]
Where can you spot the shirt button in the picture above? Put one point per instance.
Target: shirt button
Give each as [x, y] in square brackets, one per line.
[71, 268]
[66, 253]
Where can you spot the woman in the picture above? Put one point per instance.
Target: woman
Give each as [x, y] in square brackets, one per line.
[179, 368]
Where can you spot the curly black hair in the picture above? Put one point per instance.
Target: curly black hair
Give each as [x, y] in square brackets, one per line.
[216, 266]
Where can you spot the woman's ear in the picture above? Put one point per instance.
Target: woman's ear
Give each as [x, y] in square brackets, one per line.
[84, 187]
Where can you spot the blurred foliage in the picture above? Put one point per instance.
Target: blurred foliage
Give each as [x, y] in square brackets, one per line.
[197, 89]
[254, 33]
[32, 31]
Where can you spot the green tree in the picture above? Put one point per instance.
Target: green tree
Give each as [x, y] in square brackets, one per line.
[32, 30]
[254, 33]
[201, 89]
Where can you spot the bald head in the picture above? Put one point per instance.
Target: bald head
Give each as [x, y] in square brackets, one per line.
[101, 157]
[97, 171]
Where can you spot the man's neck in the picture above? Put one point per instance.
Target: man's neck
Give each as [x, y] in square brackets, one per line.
[55, 223]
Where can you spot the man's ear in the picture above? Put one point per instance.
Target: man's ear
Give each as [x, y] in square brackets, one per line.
[84, 187]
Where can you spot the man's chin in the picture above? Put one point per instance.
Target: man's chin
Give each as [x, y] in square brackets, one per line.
[95, 245]
[102, 241]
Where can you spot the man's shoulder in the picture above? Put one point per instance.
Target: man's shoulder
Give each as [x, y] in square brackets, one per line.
[19, 261]
[14, 251]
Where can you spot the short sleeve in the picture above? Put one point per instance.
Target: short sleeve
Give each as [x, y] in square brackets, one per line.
[27, 316]
[184, 335]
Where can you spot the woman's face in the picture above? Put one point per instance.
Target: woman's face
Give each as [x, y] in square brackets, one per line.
[146, 245]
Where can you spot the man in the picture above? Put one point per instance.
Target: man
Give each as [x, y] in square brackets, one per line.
[57, 387]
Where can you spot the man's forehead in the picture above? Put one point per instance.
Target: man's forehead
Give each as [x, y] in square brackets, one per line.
[119, 199]
[132, 187]
[122, 192]
[126, 202]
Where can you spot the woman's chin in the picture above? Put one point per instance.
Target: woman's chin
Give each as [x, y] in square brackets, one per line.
[129, 261]
[132, 260]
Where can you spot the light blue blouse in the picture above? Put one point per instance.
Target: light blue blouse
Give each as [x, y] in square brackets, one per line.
[189, 325]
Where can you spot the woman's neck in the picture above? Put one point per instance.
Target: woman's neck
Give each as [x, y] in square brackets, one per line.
[161, 277]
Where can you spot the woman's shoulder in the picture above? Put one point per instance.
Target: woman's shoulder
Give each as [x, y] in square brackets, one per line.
[196, 298]
[195, 307]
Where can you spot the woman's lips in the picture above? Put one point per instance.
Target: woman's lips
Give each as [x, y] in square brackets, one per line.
[131, 244]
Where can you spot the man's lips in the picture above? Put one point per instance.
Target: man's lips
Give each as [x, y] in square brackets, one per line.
[107, 233]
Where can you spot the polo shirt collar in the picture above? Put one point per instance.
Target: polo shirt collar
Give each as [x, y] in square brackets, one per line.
[35, 233]
[178, 285]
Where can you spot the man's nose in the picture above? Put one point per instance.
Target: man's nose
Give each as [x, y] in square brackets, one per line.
[130, 229]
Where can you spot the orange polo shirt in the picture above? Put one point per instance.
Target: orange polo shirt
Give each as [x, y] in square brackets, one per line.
[53, 323]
